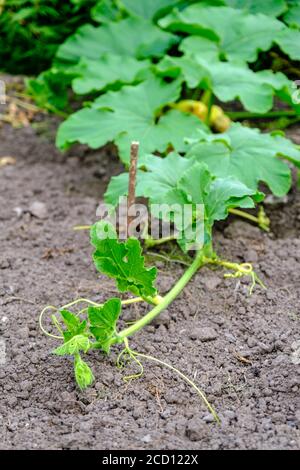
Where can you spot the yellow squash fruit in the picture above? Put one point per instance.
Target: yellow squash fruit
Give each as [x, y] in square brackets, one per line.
[194, 107]
[217, 120]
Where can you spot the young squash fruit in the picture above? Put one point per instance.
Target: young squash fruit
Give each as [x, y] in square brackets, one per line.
[218, 120]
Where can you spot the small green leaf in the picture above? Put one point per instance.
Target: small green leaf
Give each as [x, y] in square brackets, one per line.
[74, 325]
[103, 321]
[122, 261]
[50, 89]
[70, 320]
[73, 346]
[83, 374]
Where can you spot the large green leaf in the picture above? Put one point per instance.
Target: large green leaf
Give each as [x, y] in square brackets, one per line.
[186, 67]
[103, 321]
[240, 36]
[109, 10]
[105, 11]
[268, 7]
[98, 74]
[122, 261]
[255, 90]
[227, 80]
[250, 157]
[166, 172]
[149, 9]
[132, 114]
[292, 16]
[288, 40]
[134, 37]
[217, 195]
[177, 183]
[201, 47]
[180, 183]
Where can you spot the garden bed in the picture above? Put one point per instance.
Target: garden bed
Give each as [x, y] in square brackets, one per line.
[239, 349]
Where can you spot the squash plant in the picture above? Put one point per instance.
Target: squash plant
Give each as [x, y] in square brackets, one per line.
[187, 182]
[152, 71]
[173, 180]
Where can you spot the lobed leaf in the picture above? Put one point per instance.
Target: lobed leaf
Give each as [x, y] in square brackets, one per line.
[228, 81]
[240, 36]
[268, 7]
[251, 157]
[98, 74]
[74, 325]
[149, 9]
[105, 11]
[122, 261]
[292, 16]
[178, 181]
[133, 37]
[73, 346]
[288, 41]
[132, 113]
[103, 321]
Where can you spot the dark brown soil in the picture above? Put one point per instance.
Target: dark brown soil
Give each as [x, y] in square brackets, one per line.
[206, 333]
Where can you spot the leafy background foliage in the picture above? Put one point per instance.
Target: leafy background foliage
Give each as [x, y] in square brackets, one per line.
[212, 45]
[32, 30]
[135, 60]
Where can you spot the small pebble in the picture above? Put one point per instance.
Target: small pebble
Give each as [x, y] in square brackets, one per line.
[204, 334]
[212, 283]
[24, 332]
[162, 319]
[38, 209]
[208, 419]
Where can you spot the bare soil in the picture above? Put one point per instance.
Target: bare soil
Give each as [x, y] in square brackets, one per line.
[241, 350]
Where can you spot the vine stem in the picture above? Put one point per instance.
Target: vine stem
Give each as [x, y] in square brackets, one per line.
[151, 242]
[272, 114]
[243, 214]
[134, 356]
[262, 220]
[185, 378]
[82, 227]
[209, 103]
[165, 301]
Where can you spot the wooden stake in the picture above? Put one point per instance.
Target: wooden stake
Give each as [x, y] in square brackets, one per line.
[134, 150]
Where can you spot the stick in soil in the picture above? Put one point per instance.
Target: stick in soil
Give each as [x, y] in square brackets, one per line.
[134, 149]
